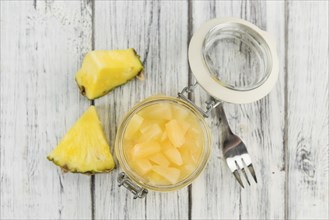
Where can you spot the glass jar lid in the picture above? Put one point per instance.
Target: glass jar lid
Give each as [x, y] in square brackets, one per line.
[233, 60]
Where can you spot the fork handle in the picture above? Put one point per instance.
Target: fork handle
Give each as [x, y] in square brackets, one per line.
[224, 121]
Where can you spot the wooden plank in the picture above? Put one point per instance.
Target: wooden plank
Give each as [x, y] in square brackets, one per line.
[214, 195]
[41, 49]
[265, 118]
[158, 32]
[217, 195]
[308, 116]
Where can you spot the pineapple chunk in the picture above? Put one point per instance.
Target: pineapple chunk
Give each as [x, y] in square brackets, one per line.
[153, 132]
[187, 156]
[149, 122]
[133, 126]
[167, 144]
[180, 112]
[174, 156]
[184, 125]
[157, 112]
[103, 70]
[194, 138]
[156, 179]
[159, 159]
[175, 133]
[169, 173]
[164, 137]
[143, 166]
[146, 149]
[187, 169]
[84, 148]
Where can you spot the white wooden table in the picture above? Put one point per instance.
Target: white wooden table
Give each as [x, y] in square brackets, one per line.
[42, 46]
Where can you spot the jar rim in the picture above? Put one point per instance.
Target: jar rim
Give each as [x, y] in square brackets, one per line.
[137, 178]
[242, 32]
[207, 81]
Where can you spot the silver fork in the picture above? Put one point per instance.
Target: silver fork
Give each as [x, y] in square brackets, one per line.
[235, 151]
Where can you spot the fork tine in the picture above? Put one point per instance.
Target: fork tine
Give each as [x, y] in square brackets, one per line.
[245, 175]
[244, 171]
[240, 165]
[237, 177]
[252, 171]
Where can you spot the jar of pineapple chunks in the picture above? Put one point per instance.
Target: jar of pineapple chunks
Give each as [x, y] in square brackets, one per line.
[162, 144]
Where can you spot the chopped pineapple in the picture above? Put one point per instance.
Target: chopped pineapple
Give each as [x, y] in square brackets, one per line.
[167, 144]
[150, 122]
[164, 137]
[187, 169]
[84, 148]
[159, 159]
[165, 147]
[143, 166]
[185, 125]
[180, 112]
[157, 112]
[174, 156]
[135, 122]
[146, 149]
[175, 133]
[156, 179]
[169, 173]
[186, 156]
[103, 70]
[153, 132]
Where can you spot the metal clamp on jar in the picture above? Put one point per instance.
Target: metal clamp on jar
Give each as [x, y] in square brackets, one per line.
[233, 61]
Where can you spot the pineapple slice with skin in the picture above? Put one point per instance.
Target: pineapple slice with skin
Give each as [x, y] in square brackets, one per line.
[159, 159]
[169, 173]
[146, 149]
[84, 148]
[134, 124]
[174, 156]
[103, 70]
[175, 133]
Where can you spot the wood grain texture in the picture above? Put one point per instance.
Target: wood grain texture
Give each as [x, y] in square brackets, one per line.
[158, 32]
[307, 98]
[41, 48]
[259, 124]
[42, 44]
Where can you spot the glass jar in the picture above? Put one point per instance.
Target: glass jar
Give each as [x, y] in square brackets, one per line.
[136, 182]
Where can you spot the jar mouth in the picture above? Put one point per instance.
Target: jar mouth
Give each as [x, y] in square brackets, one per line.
[236, 56]
[122, 157]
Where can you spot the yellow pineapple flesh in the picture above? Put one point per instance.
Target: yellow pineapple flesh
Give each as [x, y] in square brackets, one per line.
[84, 148]
[166, 144]
[104, 70]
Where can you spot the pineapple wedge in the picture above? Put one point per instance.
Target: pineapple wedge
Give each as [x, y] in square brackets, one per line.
[84, 148]
[103, 70]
